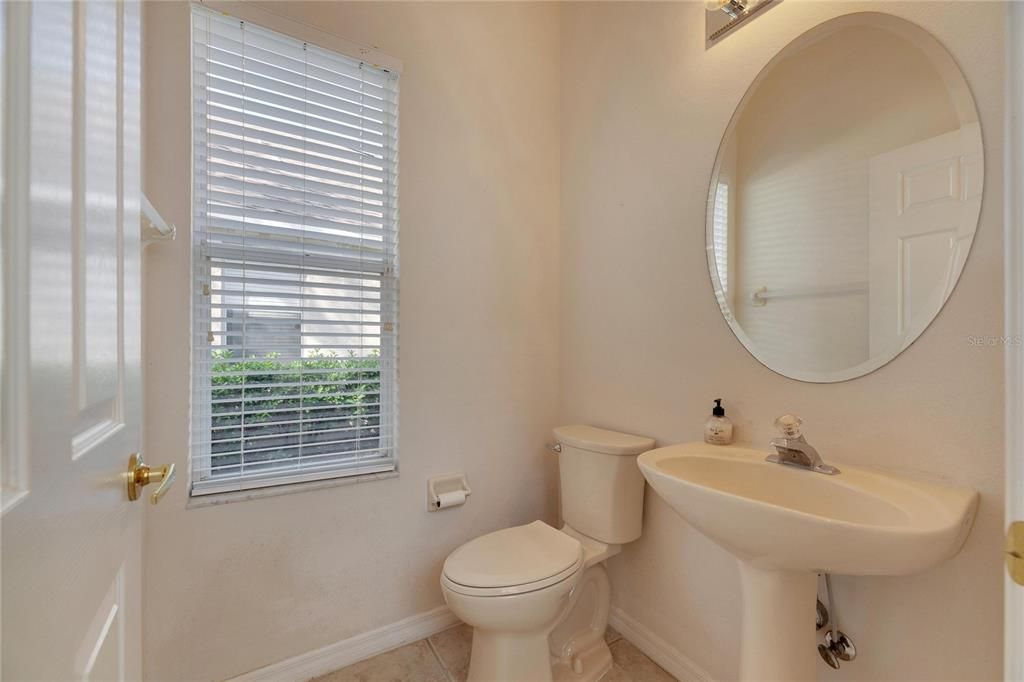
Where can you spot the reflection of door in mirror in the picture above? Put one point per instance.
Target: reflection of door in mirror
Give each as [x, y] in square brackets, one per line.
[921, 198]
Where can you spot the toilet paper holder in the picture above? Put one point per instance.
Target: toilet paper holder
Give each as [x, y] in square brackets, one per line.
[447, 490]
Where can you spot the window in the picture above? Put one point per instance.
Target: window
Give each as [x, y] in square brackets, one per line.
[271, 331]
[295, 264]
[720, 235]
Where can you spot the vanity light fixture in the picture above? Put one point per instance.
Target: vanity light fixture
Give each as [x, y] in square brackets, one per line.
[734, 8]
[722, 16]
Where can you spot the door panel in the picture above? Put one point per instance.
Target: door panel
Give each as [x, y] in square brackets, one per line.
[72, 544]
[924, 267]
[102, 653]
[921, 201]
[98, 361]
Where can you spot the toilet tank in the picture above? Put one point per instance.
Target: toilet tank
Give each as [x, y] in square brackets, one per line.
[602, 487]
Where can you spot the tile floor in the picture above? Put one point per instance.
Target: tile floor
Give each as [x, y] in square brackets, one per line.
[445, 658]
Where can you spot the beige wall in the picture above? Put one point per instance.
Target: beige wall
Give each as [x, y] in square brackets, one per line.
[645, 349]
[238, 586]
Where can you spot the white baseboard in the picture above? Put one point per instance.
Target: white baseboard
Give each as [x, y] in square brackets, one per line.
[414, 628]
[354, 649]
[674, 661]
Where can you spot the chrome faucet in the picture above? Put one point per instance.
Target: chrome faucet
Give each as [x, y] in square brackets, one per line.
[794, 450]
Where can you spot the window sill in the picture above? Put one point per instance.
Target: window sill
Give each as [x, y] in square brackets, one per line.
[214, 499]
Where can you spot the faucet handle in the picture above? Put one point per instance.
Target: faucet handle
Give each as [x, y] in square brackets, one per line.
[789, 425]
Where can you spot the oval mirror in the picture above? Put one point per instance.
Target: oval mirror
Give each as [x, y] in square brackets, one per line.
[845, 198]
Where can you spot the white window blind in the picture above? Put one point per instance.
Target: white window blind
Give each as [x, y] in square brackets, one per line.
[295, 222]
[720, 235]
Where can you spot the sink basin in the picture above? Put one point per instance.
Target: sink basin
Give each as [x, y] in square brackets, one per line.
[858, 522]
[786, 524]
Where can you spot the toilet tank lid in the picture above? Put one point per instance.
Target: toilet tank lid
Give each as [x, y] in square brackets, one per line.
[606, 442]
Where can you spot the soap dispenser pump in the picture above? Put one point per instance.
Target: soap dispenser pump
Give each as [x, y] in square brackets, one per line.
[718, 428]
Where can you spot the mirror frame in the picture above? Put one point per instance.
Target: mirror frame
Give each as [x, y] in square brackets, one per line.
[963, 101]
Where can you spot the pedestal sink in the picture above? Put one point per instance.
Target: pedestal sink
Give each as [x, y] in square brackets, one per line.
[786, 525]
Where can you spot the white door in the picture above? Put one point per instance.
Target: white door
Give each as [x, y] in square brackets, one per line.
[1014, 288]
[923, 210]
[71, 540]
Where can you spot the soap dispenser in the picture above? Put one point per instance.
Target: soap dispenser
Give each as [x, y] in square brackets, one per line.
[718, 428]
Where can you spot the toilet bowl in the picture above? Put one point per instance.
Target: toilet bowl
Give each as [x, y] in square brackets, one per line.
[538, 597]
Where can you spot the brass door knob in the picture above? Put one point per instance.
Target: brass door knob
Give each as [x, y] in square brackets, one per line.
[141, 474]
[1015, 552]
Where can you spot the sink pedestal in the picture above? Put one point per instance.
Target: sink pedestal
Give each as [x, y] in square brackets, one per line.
[794, 524]
[778, 634]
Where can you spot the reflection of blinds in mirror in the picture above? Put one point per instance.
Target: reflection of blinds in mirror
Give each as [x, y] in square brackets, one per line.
[720, 234]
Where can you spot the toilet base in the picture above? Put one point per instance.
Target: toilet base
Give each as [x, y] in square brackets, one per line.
[578, 650]
[518, 657]
[592, 665]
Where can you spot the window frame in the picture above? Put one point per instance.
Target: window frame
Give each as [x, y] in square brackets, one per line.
[201, 483]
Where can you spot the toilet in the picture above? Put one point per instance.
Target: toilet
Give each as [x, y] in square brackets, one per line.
[537, 597]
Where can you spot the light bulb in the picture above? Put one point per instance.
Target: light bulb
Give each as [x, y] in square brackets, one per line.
[733, 8]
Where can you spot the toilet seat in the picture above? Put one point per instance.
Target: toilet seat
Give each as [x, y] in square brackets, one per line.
[513, 561]
[512, 590]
